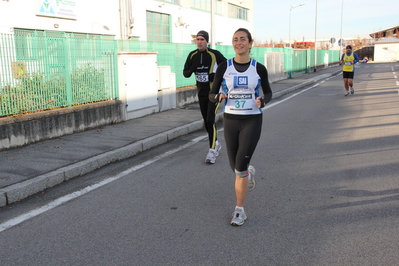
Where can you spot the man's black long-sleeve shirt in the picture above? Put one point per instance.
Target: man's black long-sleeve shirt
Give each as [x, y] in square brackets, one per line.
[203, 65]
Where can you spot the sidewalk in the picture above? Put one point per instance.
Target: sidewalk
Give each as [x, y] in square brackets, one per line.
[35, 167]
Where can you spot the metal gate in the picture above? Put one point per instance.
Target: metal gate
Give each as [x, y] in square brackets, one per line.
[274, 63]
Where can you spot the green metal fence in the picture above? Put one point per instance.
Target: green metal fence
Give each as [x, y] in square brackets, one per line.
[41, 70]
[174, 55]
[45, 70]
[299, 62]
[168, 54]
[171, 54]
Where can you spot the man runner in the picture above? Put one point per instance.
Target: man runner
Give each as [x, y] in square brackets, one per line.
[203, 63]
[349, 59]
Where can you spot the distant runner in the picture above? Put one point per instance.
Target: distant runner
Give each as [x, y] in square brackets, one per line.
[349, 59]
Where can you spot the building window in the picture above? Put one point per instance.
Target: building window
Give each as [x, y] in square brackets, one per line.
[238, 12]
[176, 2]
[201, 4]
[158, 27]
[205, 5]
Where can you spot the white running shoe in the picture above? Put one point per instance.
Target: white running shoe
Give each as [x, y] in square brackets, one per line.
[211, 156]
[352, 90]
[251, 178]
[218, 147]
[239, 217]
[347, 93]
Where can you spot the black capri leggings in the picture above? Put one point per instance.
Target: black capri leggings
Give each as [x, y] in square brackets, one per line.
[241, 134]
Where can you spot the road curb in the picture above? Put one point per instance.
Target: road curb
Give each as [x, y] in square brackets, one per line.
[24, 189]
[291, 89]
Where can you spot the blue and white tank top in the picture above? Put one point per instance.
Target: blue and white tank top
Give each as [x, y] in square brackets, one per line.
[242, 89]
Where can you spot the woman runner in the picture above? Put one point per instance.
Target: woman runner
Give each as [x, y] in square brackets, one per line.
[238, 81]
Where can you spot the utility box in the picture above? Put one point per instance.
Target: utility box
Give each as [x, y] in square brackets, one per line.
[138, 83]
[166, 88]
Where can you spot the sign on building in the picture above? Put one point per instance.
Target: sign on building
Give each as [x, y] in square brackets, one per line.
[57, 8]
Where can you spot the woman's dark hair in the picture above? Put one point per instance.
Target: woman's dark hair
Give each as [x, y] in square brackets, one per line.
[247, 32]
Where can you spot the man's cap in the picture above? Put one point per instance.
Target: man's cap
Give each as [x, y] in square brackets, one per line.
[349, 47]
[204, 34]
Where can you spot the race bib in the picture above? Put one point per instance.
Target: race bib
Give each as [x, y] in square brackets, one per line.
[347, 63]
[202, 77]
[240, 101]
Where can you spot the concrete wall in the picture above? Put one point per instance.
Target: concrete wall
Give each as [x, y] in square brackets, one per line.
[30, 128]
[21, 130]
[186, 96]
[386, 52]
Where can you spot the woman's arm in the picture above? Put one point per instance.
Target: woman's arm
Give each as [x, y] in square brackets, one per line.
[264, 77]
[214, 95]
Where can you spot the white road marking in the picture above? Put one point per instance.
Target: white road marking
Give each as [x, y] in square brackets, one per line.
[21, 218]
[295, 94]
[55, 203]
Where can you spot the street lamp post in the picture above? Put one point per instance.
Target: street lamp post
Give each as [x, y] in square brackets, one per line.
[213, 44]
[315, 41]
[289, 26]
[340, 35]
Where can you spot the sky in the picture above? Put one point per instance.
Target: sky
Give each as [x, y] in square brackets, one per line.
[359, 19]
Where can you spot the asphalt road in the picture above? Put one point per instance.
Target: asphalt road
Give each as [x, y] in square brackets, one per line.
[327, 193]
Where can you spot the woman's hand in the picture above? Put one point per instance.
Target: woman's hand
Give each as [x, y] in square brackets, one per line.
[258, 102]
[222, 96]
